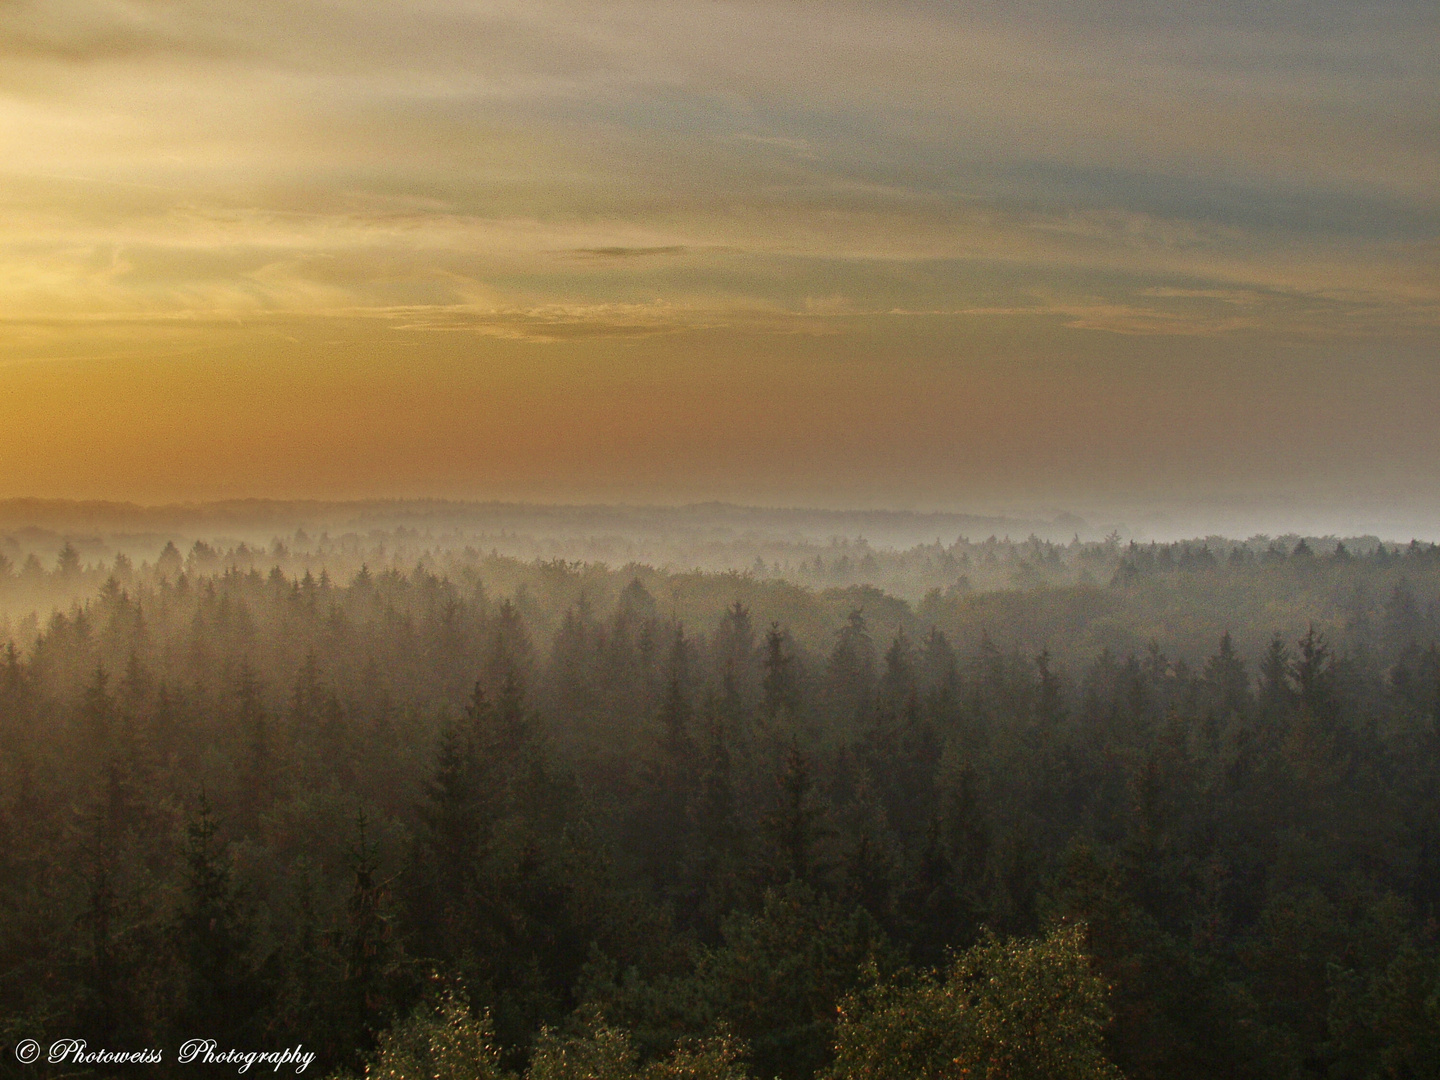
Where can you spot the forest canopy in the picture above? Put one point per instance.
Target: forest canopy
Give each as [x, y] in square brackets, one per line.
[965, 808]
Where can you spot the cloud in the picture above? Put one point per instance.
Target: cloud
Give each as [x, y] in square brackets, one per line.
[1203, 168]
[628, 252]
[1241, 297]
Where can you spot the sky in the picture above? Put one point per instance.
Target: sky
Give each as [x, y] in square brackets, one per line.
[1170, 261]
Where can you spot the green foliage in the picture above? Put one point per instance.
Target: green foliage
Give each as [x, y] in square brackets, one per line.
[438, 1041]
[442, 1040]
[213, 935]
[716, 1058]
[773, 981]
[606, 1053]
[1023, 1009]
[777, 976]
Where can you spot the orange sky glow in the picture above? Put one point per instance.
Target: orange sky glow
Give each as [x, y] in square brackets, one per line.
[921, 255]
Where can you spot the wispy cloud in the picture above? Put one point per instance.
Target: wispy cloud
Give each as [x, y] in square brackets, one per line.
[627, 252]
[340, 155]
[942, 186]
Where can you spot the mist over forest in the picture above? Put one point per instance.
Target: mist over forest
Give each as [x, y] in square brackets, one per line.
[55, 554]
[958, 596]
[435, 789]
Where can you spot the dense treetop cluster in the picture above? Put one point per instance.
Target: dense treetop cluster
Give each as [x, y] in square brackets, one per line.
[1159, 811]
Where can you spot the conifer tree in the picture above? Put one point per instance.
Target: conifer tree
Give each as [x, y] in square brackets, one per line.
[370, 952]
[213, 936]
